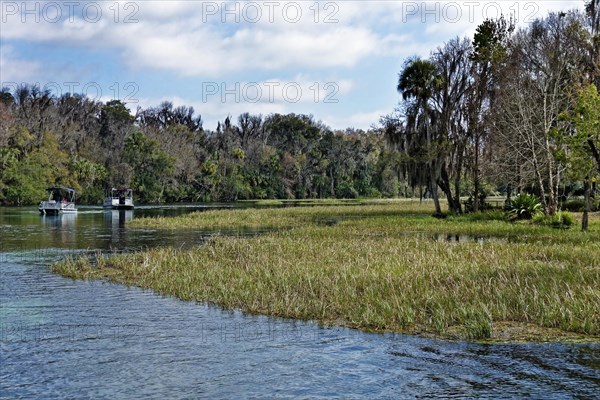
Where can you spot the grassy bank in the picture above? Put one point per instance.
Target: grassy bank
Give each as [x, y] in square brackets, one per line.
[380, 267]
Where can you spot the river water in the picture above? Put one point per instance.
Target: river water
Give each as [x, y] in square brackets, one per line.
[63, 338]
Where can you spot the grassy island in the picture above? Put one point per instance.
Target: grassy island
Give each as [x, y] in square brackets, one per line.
[383, 266]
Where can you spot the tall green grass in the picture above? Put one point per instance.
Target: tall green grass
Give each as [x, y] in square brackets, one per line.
[281, 217]
[378, 269]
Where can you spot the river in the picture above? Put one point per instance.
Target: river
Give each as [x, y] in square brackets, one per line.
[63, 338]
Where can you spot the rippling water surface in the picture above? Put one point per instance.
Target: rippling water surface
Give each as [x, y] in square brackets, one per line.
[61, 338]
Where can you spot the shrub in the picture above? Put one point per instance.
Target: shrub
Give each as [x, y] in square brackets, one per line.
[561, 219]
[373, 193]
[524, 206]
[469, 203]
[346, 191]
[577, 205]
[495, 215]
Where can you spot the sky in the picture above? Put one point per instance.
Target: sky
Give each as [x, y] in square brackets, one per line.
[336, 60]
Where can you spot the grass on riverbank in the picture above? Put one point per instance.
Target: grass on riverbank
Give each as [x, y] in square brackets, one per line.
[378, 268]
[286, 217]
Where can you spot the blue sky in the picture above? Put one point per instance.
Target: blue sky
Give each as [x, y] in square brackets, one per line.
[336, 60]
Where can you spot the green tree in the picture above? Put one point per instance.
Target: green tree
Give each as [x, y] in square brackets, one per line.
[488, 53]
[452, 123]
[152, 167]
[116, 123]
[27, 175]
[91, 178]
[583, 141]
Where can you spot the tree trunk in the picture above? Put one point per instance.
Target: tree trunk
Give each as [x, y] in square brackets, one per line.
[541, 185]
[595, 153]
[587, 206]
[476, 176]
[434, 194]
[557, 188]
[445, 186]
[552, 195]
[332, 183]
[457, 183]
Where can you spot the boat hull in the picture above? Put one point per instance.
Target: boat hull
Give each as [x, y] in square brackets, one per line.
[55, 208]
[119, 207]
[118, 204]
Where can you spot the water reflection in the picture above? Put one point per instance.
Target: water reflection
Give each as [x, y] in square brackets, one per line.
[117, 218]
[59, 221]
[91, 228]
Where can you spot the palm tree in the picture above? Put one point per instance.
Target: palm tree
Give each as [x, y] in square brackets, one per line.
[417, 84]
[417, 80]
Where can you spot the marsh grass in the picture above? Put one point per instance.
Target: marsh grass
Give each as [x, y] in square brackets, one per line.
[307, 202]
[377, 269]
[281, 217]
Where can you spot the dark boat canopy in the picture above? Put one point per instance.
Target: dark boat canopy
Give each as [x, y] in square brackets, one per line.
[57, 192]
[121, 189]
[56, 188]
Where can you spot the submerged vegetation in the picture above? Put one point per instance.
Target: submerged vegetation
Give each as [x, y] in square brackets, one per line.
[379, 267]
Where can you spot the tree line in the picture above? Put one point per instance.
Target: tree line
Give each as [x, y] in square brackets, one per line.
[516, 109]
[166, 155]
[506, 111]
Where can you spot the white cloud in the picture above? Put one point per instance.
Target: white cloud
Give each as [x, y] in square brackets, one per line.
[189, 39]
[194, 38]
[206, 52]
[15, 70]
[363, 120]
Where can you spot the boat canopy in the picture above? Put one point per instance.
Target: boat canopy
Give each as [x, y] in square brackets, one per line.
[57, 188]
[121, 191]
[59, 191]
